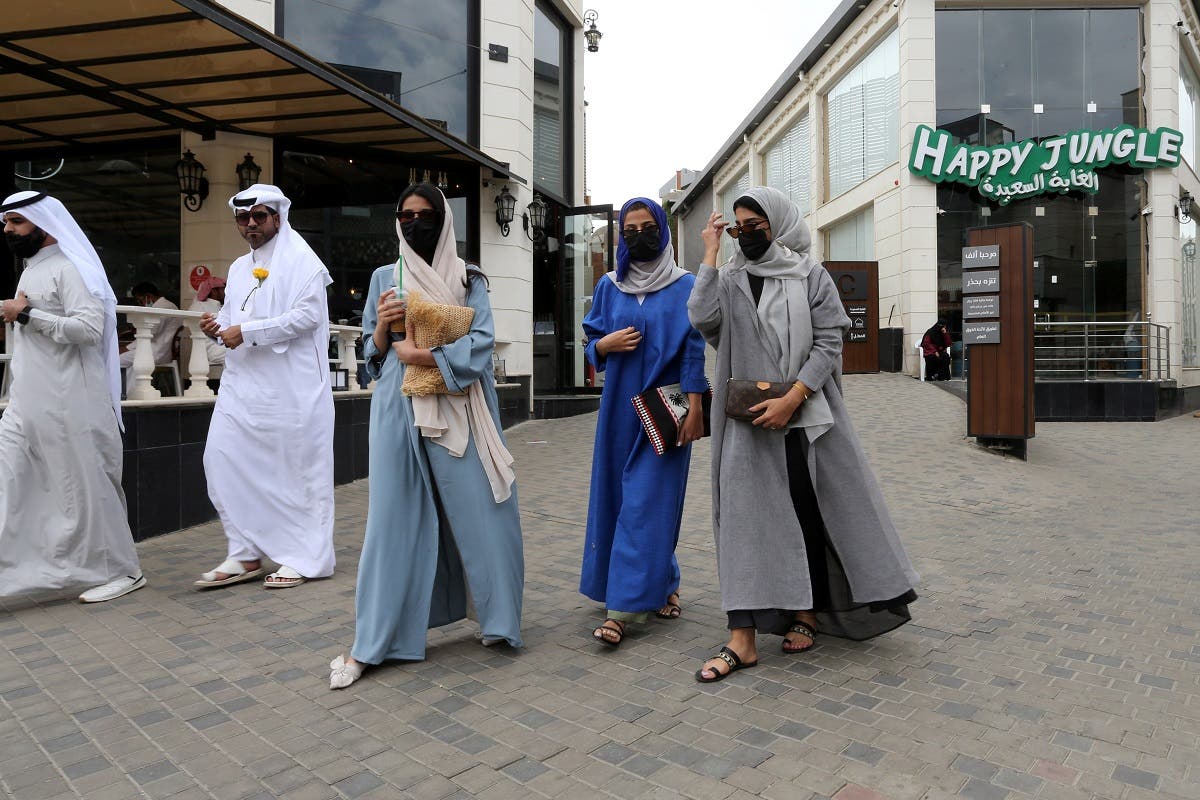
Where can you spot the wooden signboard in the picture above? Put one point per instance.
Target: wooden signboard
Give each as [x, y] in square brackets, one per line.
[1000, 348]
[858, 286]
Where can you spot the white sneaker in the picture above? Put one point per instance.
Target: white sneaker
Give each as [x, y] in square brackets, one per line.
[342, 674]
[113, 589]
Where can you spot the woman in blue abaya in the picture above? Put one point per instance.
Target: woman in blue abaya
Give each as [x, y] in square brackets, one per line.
[638, 334]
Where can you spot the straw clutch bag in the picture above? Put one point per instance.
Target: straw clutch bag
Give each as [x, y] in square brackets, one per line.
[434, 325]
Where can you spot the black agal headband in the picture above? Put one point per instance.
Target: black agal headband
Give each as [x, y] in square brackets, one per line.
[28, 201]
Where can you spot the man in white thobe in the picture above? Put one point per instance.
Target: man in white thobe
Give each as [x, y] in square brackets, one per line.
[63, 521]
[269, 457]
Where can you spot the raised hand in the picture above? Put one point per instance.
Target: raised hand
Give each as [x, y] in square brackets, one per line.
[711, 235]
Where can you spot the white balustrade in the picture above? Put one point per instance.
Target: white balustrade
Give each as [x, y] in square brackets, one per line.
[198, 366]
[198, 369]
[347, 338]
[6, 360]
[144, 321]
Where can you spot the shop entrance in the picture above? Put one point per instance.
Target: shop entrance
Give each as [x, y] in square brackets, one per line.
[574, 253]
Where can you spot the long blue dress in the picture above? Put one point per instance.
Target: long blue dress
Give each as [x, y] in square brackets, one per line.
[636, 503]
[433, 527]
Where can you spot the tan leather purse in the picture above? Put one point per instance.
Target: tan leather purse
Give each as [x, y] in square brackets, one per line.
[741, 396]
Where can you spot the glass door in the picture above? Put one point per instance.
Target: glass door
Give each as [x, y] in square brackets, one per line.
[587, 253]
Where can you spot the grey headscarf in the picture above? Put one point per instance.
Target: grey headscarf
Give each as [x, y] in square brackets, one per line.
[784, 316]
[647, 277]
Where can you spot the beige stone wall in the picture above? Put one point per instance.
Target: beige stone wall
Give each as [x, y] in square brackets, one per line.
[209, 236]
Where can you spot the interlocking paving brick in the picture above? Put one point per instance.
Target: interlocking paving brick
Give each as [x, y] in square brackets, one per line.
[153, 772]
[1135, 777]
[1016, 678]
[81, 769]
[359, 784]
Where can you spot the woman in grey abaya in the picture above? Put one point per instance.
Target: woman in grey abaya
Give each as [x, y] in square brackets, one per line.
[804, 538]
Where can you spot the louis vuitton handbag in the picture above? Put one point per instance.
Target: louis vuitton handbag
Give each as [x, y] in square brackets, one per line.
[434, 325]
[741, 396]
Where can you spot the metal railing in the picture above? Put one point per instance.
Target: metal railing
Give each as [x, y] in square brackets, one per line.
[1101, 351]
[197, 370]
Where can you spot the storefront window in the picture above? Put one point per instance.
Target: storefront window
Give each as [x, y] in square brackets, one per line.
[852, 239]
[1041, 73]
[787, 164]
[414, 52]
[128, 205]
[551, 68]
[864, 118]
[1189, 107]
[1191, 296]
[346, 210]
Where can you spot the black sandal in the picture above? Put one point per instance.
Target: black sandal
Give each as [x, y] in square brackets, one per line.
[729, 657]
[604, 626]
[670, 610]
[804, 630]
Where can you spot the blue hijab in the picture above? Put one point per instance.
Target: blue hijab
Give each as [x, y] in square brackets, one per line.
[664, 233]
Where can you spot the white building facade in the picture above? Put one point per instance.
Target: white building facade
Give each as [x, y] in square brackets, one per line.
[836, 132]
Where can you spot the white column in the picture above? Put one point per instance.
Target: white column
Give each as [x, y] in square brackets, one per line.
[143, 355]
[1164, 283]
[198, 362]
[347, 357]
[918, 197]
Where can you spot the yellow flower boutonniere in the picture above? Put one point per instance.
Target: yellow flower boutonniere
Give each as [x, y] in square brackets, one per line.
[260, 274]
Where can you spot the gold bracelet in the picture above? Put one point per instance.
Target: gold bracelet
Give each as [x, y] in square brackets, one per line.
[804, 395]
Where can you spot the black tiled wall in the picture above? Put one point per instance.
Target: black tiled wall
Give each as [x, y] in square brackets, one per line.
[1111, 401]
[163, 477]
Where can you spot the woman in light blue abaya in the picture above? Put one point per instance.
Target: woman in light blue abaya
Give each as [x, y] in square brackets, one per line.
[638, 334]
[442, 515]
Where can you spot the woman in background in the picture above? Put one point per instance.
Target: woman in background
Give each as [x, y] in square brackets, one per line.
[935, 347]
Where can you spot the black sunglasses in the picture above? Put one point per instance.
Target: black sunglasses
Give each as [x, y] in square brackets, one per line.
[243, 217]
[425, 215]
[649, 227]
[746, 227]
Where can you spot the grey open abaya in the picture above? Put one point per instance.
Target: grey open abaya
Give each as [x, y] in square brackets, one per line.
[762, 560]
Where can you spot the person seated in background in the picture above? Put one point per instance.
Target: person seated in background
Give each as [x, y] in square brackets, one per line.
[162, 333]
[935, 347]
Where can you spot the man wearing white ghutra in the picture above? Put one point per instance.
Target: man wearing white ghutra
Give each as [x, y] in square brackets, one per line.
[63, 521]
[269, 456]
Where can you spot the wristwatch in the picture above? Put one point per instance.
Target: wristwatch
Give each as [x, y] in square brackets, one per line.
[23, 317]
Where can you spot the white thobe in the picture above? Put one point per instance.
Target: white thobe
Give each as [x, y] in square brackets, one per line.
[63, 521]
[269, 457]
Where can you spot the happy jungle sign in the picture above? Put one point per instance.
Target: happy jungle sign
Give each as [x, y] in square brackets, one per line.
[1066, 163]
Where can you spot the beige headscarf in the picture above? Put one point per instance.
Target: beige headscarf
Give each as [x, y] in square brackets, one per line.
[450, 420]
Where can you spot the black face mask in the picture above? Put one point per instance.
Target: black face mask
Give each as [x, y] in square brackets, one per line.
[643, 245]
[754, 244]
[422, 237]
[25, 246]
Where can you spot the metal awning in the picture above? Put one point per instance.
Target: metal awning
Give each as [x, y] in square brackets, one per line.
[75, 73]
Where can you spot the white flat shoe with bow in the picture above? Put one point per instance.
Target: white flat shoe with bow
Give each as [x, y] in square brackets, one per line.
[343, 673]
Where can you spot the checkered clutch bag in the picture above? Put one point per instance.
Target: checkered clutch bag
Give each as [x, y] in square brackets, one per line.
[661, 412]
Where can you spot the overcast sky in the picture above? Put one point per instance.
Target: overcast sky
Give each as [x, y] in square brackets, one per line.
[673, 78]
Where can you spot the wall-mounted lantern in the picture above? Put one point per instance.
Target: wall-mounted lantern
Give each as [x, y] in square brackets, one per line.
[592, 34]
[506, 205]
[247, 173]
[192, 183]
[534, 222]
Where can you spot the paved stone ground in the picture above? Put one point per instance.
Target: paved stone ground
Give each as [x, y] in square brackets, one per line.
[1054, 654]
